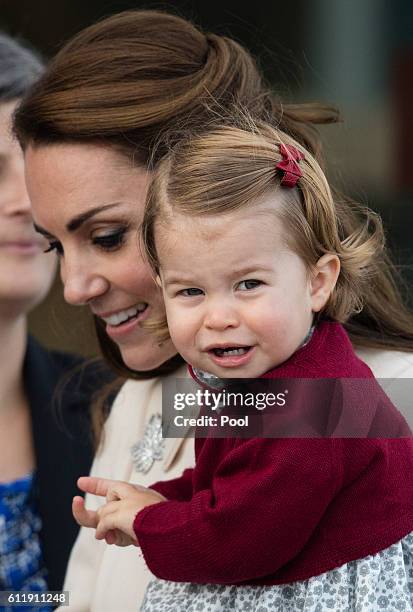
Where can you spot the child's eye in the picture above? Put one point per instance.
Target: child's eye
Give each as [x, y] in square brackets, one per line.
[247, 285]
[54, 245]
[110, 241]
[190, 292]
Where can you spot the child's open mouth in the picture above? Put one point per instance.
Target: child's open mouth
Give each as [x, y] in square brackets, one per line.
[231, 356]
[220, 352]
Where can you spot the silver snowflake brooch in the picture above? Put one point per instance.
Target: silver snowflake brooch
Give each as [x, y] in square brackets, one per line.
[151, 447]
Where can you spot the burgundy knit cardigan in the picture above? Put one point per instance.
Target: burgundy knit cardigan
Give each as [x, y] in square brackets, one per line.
[266, 511]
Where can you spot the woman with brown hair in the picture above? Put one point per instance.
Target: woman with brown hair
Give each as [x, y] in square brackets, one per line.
[92, 129]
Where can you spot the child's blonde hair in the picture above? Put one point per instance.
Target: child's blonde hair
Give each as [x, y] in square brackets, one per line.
[228, 168]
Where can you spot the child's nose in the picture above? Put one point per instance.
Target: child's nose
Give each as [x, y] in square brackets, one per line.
[221, 316]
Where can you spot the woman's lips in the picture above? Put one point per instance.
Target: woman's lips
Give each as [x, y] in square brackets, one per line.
[123, 329]
[22, 247]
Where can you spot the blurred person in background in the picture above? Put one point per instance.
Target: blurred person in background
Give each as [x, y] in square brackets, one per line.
[89, 130]
[42, 450]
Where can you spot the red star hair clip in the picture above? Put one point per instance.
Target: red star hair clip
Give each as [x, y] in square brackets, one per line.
[289, 165]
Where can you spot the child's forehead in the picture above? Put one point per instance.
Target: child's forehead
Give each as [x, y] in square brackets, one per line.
[221, 244]
[250, 219]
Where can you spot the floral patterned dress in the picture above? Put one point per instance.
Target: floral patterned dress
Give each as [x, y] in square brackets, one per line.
[383, 581]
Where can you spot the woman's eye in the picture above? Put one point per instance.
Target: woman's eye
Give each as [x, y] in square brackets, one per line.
[249, 284]
[110, 241]
[191, 291]
[54, 245]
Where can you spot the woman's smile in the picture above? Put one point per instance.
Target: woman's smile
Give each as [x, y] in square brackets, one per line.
[123, 322]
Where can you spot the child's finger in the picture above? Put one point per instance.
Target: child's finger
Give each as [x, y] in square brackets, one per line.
[102, 515]
[106, 524]
[111, 537]
[96, 486]
[84, 517]
[106, 509]
[120, 490]
[112, 495]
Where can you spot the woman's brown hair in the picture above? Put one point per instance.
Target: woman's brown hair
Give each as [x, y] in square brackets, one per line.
[131, 78]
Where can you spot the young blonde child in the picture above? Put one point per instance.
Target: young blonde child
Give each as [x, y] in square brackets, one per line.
[258, 276]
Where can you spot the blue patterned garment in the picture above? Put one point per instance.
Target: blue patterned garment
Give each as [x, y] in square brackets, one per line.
[20, 554]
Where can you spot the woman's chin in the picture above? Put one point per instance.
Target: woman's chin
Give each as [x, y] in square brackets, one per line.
[146, 358]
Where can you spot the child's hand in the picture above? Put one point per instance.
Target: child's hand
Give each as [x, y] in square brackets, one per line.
[113, 521]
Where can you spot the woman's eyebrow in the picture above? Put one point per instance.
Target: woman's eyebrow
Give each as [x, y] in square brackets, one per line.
[78, 221]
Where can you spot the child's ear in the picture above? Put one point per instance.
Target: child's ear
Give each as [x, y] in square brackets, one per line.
[323, 280]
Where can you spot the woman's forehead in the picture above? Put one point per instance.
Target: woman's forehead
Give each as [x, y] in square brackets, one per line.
[66, 180]
[71, 158]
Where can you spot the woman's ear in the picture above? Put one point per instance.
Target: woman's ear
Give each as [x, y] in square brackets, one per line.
[158, 281]
[323, 280]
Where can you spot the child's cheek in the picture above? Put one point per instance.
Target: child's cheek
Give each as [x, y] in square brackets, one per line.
[177, 329]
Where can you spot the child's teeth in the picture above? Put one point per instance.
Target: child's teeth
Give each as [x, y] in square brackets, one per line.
[235, 351]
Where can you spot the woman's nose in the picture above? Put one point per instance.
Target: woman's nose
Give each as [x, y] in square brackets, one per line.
[81, 284]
